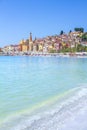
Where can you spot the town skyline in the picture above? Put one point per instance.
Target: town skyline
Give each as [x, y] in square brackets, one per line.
[74, 41]
[42, 17]
[35, 37]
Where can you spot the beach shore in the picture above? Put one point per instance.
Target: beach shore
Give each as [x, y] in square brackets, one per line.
[67, 114]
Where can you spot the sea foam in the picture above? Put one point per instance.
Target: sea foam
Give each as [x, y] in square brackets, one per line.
[70, 113]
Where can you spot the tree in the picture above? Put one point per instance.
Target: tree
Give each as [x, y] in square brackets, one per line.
[84, 37]
[61, 33]
[70, 31]
[80, 48]
[79, 29]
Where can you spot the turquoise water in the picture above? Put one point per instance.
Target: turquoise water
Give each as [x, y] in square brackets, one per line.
[32, 84]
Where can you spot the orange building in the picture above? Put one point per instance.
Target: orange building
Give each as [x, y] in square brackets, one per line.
[24, 45]
[27, 45]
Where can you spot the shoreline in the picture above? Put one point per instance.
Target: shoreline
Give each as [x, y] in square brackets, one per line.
[63, 115]
[77, 54]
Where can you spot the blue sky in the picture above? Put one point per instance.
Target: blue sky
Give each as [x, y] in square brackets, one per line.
[41, 17]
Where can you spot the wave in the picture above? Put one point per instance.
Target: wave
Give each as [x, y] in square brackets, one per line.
[57, 116]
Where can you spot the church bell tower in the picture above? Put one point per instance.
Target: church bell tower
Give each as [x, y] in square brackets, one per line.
[30, 42]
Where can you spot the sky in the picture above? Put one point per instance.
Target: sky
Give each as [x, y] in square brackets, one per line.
[41, 17]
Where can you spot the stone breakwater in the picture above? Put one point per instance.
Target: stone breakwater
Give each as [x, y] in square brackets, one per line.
[77, 54]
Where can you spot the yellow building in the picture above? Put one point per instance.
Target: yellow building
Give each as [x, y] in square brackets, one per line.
[63, 44]
[24, 46]
[40, 47]
[21, 42]
[50, 47]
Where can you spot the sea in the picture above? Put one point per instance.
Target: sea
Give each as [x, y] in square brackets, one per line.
[43, 93]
